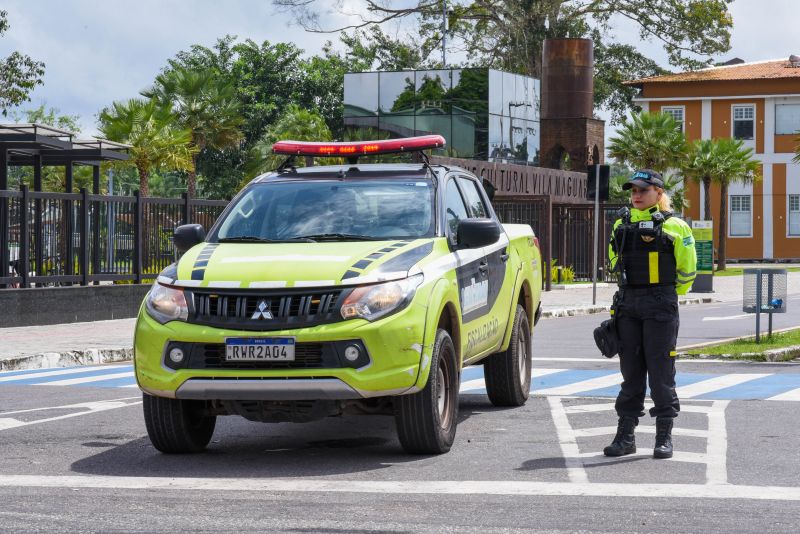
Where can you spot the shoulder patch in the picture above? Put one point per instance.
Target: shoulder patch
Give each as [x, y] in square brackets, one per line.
[688, 241]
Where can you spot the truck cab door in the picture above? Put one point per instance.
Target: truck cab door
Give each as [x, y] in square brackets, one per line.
[499, 273]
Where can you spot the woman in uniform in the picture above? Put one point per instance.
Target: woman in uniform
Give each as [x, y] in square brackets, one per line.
[653, 252]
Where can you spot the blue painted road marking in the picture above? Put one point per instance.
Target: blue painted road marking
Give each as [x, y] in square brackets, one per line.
[759, 388]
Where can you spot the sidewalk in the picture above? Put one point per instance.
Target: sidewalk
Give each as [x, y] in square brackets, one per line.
[109, 341]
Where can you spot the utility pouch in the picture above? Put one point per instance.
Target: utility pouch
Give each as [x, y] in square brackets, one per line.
[606, 338]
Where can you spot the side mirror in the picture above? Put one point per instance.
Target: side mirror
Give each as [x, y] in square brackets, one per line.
[187, 236]
[476, 233]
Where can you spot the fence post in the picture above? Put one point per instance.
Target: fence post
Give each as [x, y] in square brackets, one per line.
[187, 209]
[96, 223]
[24, 231]
[84, 257]
[4, 237]
[548, 252]
[137, 239]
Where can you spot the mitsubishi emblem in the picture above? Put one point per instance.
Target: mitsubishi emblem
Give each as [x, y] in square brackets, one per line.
[263, 311]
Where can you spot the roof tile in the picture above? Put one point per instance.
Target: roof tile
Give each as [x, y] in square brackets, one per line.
[763, 70]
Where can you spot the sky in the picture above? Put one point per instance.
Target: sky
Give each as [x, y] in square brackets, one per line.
[97, 52]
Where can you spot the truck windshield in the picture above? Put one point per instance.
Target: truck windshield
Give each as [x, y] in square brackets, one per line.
[315, 210]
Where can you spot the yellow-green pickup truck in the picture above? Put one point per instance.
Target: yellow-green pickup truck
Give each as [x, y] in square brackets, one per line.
[326, 290]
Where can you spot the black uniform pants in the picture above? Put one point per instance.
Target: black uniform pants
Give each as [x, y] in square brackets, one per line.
[647, 324]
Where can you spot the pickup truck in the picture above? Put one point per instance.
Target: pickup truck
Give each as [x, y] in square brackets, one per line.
[326, 290]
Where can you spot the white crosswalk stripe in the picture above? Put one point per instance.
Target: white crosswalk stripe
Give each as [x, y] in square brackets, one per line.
[89, 379]
[46, 374]
[716, 383]
[584, 385]
[793, 395]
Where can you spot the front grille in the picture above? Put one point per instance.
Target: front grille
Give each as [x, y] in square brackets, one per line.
[306, 356]
[265, 311]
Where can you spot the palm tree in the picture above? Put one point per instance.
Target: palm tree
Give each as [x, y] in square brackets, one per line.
[296, 124]
[739, 166]
[653, 141]
[204, 104]
[704, 165]
[649, 141]
[155, 140]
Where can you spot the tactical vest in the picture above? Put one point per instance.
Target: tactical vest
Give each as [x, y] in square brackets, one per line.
[647, 255]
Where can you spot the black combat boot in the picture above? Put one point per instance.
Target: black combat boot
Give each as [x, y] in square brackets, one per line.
[624, 442]
[663, 447]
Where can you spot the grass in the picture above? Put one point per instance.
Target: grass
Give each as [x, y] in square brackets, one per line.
[741, 346]
[736, 271]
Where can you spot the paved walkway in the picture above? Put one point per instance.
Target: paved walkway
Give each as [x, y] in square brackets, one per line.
[106, 341]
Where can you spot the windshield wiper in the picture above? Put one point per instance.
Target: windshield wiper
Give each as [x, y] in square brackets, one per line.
[342, 237]
[255, 239]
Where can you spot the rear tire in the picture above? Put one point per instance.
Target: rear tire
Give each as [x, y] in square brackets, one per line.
[508, 373]
[426, 421]
[177, 426]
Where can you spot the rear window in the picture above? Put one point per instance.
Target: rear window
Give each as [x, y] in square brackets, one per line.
[377, 209]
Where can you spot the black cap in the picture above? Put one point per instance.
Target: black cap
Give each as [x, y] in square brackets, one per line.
[644, 178]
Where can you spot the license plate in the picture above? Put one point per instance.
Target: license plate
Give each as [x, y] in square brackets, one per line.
[273, 349]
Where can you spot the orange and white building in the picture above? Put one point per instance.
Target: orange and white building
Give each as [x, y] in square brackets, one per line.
[759, 103]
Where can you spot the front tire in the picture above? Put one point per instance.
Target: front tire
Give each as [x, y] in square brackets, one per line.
[177, 426]
[426, 421]
[508, 373]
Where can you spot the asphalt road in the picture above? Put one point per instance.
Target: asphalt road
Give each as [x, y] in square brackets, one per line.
[77, 458]
[570, 337]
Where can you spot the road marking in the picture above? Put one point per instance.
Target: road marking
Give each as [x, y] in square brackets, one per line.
[595, 458]
[88, 379]
[85, 405]
[615, 363]
[566, 439]
[480, 383]
[409, 487]
[612, 379]
[726, 318]
[717, 445]
[641, 429]
[713, 384]
[34, 373]
[607, 407]
[793, 395]
[89, 407]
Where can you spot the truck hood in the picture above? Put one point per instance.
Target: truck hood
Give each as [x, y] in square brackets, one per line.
[274, 265]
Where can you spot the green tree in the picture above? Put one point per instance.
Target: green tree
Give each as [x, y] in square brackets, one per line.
[19, 74]
[205, 104]
[723, 161]
[653, 141]
[297, 124]
[151, 130]
[508, 34]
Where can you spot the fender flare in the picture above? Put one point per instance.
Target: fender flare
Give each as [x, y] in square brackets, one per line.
[439, 299]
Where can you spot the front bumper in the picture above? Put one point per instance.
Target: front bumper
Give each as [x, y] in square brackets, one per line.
[394, 344]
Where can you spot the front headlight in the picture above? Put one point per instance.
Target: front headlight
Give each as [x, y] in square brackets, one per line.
[166, 304]
[374, 302]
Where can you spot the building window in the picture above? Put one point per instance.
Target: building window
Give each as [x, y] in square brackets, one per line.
[794, 215]
[676, 112]
[787, 119]
[744, 122]
[740, 215]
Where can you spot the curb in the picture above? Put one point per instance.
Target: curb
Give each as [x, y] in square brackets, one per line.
[784, 354]
[589, 310]
[67, 359]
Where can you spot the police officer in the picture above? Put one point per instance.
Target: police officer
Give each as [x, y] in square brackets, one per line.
[653, 252]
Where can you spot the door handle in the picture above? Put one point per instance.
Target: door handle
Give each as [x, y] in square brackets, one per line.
[483, 267]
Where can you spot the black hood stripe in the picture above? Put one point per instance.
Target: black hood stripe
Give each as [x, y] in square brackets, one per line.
[200, 264]
[357, 269]
[407, 259]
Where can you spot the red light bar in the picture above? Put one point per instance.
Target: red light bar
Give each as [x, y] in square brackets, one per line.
[358, 148]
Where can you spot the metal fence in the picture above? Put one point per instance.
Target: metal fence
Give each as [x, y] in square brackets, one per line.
[51, 239]
[565, 232]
